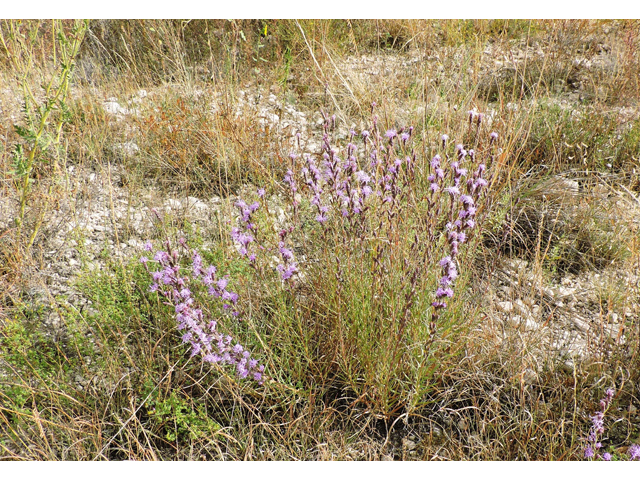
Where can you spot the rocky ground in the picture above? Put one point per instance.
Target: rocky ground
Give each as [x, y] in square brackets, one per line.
[563, 319]
[102, 221]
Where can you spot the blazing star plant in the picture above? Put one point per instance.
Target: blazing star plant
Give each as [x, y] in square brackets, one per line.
[366, 192]
[596, 432]
[374, 233]
[201, 333]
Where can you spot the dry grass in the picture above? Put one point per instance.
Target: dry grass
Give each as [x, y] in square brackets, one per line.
[110, 380]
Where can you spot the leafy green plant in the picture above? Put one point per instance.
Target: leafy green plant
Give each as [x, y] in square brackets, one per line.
[177, 418]
[46, 112]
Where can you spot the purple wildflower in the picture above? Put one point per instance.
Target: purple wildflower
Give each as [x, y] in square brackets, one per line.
[481, 182]
[466, 200]
[445, 262]
[202, 336]
[286, 253]
[452, 191]
[362, 177]
[444, 292]
[588, 452]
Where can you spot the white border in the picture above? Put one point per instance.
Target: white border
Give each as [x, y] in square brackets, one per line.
[270, 9]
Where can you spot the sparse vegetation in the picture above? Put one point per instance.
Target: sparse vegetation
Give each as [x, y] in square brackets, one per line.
[217, 137]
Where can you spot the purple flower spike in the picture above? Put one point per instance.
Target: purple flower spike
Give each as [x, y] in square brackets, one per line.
[200, 333]
[466, 200]
[445, 262]
[634, 452]
[481, 183]
[444, 292]
[588, 452]
[453, 191]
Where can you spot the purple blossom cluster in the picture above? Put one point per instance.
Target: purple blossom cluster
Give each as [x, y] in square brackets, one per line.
[459, 227]
[341, 185]
[593, 441]
[244, 236]
[361, 191]
[475, 116]
[313, 179]
[200, 333]
[288, 267]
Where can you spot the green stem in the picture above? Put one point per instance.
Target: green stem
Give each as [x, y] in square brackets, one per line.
[68, 55]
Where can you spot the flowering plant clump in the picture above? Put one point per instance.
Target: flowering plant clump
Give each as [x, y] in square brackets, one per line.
[357, 251]
[458, 229]
[594, 443]
[368, 194]
[200, 333]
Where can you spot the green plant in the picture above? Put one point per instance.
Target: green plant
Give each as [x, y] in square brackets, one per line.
[177, 417]
[38, 134]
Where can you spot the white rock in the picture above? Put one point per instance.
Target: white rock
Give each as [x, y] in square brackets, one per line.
[505, 307]
[112, 107]
[521, 308]
[196, 203]
[173, 204]
[531, 325]
[408, 444]
[515, 321]
[128, 148]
